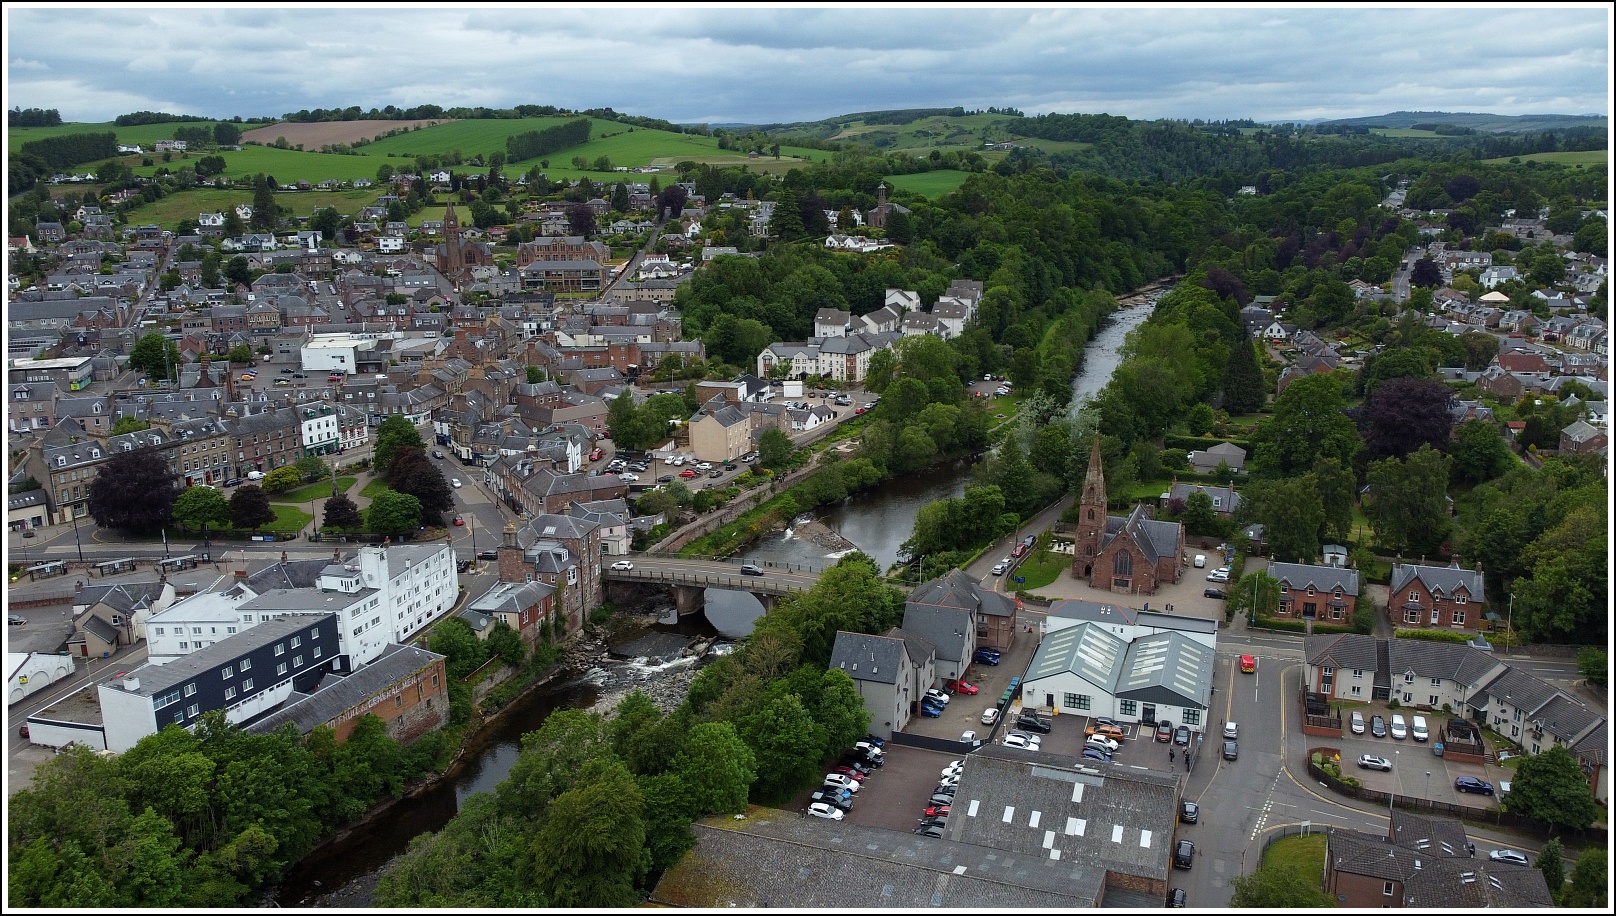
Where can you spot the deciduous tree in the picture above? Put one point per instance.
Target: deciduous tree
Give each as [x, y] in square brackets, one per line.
[249, 507]
[198, 508]
[392, 434]
[1407, 501]
[134, 491]
[1551, 788]
[393, 513]
[342, 513]
[1308, 424]
[1404, 414]
[282, 479]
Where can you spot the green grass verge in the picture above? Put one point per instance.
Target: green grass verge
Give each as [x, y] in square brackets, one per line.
[929, 184]
[288, 518]
[320, 489]
[1040, 569]
[1306, 852]
[375, 488]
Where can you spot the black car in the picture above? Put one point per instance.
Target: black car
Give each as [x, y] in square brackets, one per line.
[487, 554]
[233, 482]
[298, 375]
[1377, 727]
[1188, 812]
[1184, 855]
[1182, 736]
[932, 830]
[1231, 749]
[938, 798]
[835, 801]
[944, 790]
[1176, 898]
[1472, 784]
[1033, 724]
[665, 478]
[1215, 593]
[286, 372]
[940, 820]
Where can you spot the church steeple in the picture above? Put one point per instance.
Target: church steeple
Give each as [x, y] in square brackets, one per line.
[454, 259]
[1091, 515]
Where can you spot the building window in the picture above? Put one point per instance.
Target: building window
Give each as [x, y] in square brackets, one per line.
[190, 690]
[246, 685]
[1192, 717]
[1356, 690]
[192, 710]
[280, 648]
[229, 672]
[1387, 890]
[398, 700]
[185, 645]
[246, 663]
[316, 651]
[297, 661]
[297, 641]
[1411, 616]
[1434, 700]
[1458, 618]
[229, 630]
[230, 693]
[159, 631]
[1460, 599]
[196, 631]
[1128, 708]
[1436, 682]
[1123, 564]
[281, 668]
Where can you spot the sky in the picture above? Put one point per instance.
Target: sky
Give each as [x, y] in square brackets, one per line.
[767, 64]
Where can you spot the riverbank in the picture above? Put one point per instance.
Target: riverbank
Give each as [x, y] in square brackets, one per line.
[819, 534]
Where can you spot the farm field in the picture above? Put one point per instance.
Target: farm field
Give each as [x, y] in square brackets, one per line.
[144, 134]
[470, 137]
[929, 184]
[1592, 158]
[314, 135]
[285, 164]
[170, 210]
[1405, 132]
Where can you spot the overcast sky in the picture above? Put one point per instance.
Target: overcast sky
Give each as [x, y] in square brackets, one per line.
[762, 65]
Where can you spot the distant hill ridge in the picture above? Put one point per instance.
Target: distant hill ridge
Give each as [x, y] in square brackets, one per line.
[1479, 121]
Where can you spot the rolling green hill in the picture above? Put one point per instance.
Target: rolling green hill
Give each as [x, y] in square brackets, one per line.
[1482, 122]
[143, 134]
[470, 137]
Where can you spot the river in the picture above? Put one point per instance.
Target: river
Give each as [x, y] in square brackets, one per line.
[342, 874]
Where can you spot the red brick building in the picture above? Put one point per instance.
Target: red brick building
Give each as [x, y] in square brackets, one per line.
[1436, 597]
[1132, 554]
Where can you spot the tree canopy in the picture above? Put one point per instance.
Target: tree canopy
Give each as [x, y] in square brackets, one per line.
[134, 491]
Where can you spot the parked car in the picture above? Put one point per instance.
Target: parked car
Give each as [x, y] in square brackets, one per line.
[1032, 723]
[1248, 664]
[1188, 812]
[854, 770]
[1182, 736]
[16, 620]
[842, 781]
[1399, 727]
[938, 810]
[1472, 784]
[1231, 730]
[233, 482]
[623, 565]
[930, 830]
[969, 690]
[688, 472]
[1377, 726]
[945, 790]
[436, 453]
[1221, 574]
[986, 656]
[1101, 742]
[870, 749]
[1215, 593]
[1371, 762]
[936, 820]
[715, 472]
[1176, 898]
[23, 731]
[1001, 566]
[1110, 731]
[828, 812]
[1511, 856]
[968, 736]
[939, 798]
[1019, 741]
[1092, 753]
[834, 800]
[1164, 731]
[1418, 729]
[948, 782]
[1357, 722]
[631, 478]
[1184, 855]
[1231, 749]
[939, 697]
[931, 711]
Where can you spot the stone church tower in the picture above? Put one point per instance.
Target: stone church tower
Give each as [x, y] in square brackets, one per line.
[453, 265]
[1091, 518]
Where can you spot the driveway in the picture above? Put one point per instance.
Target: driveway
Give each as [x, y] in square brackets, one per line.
[965, 712]
[1411, 760]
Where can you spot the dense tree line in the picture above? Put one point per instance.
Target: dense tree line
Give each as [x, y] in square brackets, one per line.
[596, 809]
[198, 818]
[536, 143]
[33, 117]
[136, 118]
[69, 150]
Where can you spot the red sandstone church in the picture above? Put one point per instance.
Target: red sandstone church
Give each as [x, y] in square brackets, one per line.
[1133, 553]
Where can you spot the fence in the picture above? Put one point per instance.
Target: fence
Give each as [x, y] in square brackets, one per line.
[947, 745]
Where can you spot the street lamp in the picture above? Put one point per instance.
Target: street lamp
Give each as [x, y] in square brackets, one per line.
[72, 513]
[1509, 631]
[1428, 788]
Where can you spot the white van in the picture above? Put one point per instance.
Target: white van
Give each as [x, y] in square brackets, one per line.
[1231, 730]
[1419, 729]
[1357, 722]
[1399, 727]
[1200, 560]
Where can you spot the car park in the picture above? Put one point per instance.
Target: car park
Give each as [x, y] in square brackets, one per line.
[834, 801]
[1110, 731]
[1101, 742]
[969, 690]
[828, 812]
[1164, 731]
[1231, 749]
[1188, 812]
[1177, 899]
[990, 715]
[1371, 762]
[1184, 855]
[1510, 856]
[1377, 726]
[986, 656]
[1357, 722]
[939, 697]
[1399, 727]
[623, 565]
[1473, 785]
[1181, 737]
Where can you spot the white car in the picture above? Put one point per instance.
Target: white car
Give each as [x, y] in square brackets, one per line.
[623, 565]
[968, 736]
[937, 696]
[1101, 742]
[1001, 566]
[1221, 574]
[949, 781]
[455, 482]
[820, 809]
[990, 715]
[1033, 740]
[676, 462]
[628, 477]
[869, 749]
[953, 772]
[1020, 741]
[704, 466]
[842, 782]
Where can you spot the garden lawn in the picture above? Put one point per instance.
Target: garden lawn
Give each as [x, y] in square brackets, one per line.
[317, 490]
[375, 488]
[1040, 569]
[288, 518]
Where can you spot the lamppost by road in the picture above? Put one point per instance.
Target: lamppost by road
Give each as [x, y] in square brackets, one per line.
[1428, 788]
[72, 513]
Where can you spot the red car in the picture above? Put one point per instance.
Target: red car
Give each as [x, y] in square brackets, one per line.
[595, 455]
[687, 472]
[962, 687]
[459, 521]
[937, 811]
[850, 772]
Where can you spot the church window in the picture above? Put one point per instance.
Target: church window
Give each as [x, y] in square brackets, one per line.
[1123, 565]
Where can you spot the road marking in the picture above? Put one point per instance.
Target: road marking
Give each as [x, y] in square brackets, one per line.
[1267, 808]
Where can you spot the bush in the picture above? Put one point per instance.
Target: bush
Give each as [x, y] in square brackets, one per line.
[1393, 703]
[1432, 635]
[1298, 626]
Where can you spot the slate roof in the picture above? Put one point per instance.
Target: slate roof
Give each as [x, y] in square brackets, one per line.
[863, 657]
[1156, 539]
[1092, 611]
[944, 626]
[125, 597]
[290, 574]
[1342, 650]
[1447, 579]
[337, 695]
[1431, 879]
[919, 648]
[103, 630]
[1299, 576]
